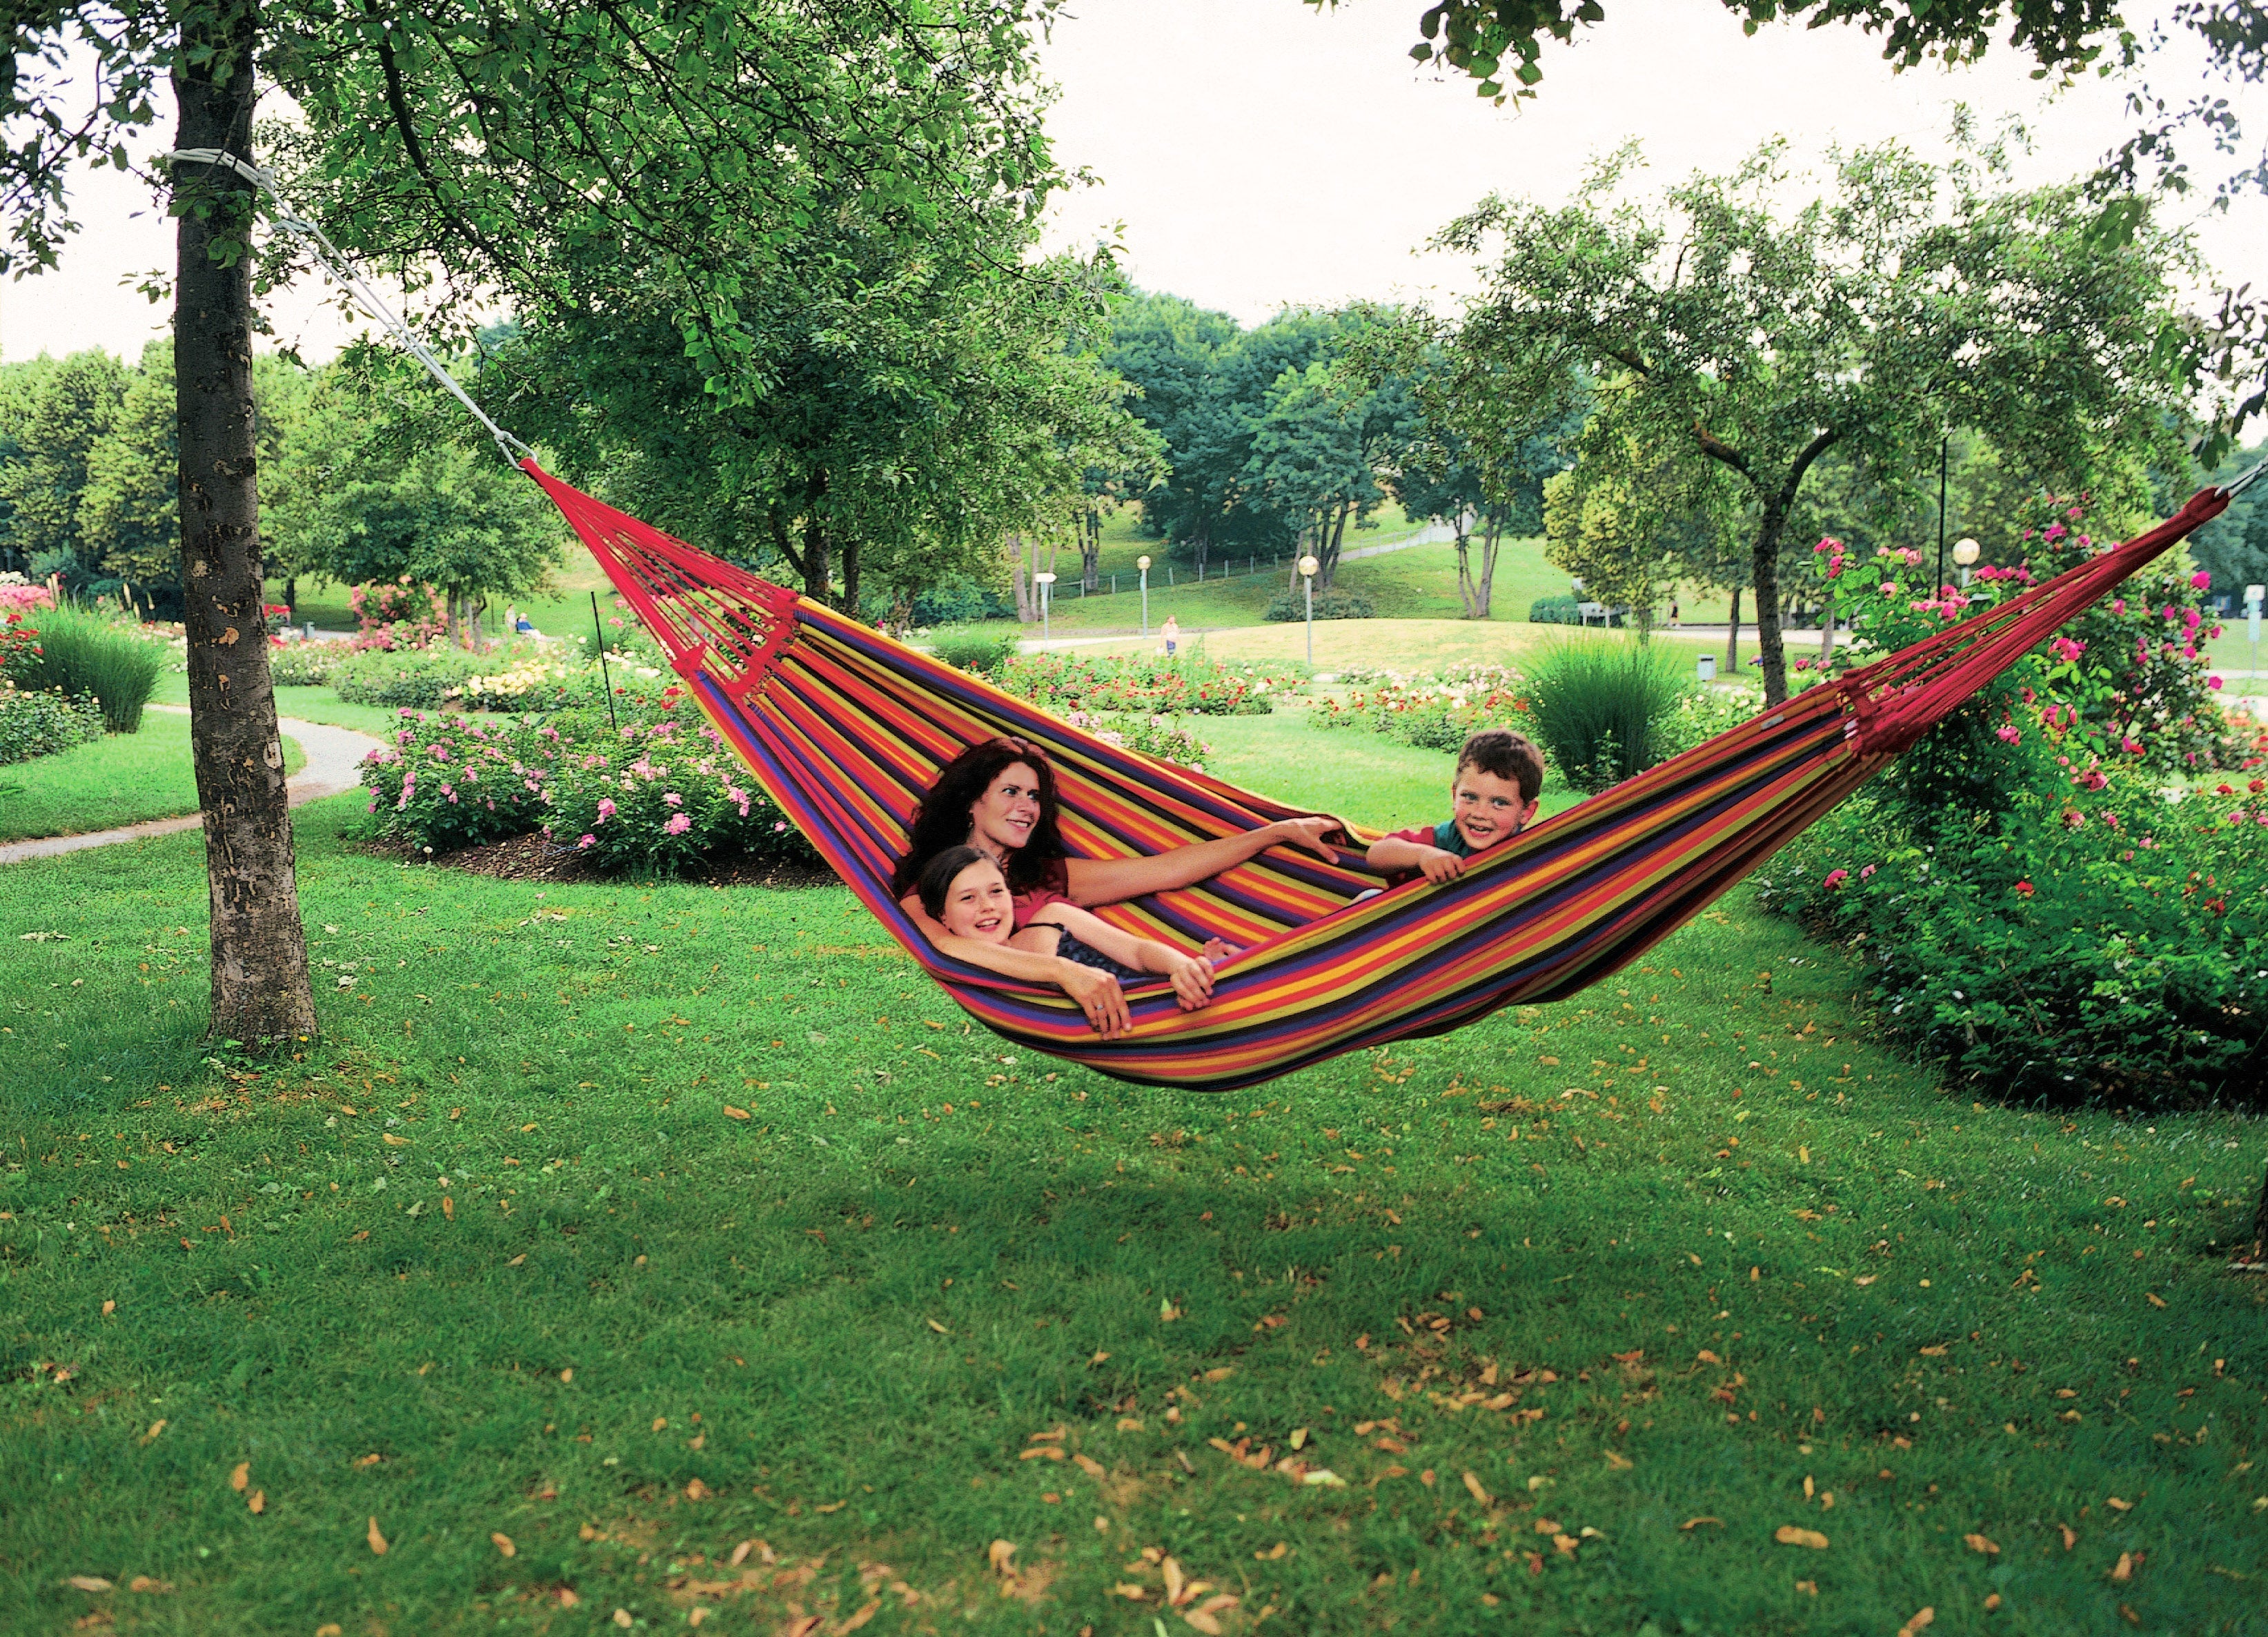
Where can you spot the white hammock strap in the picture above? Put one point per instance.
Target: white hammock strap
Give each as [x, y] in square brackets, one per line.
[341, 269]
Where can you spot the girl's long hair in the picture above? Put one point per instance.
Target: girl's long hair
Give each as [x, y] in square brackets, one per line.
[942, 820]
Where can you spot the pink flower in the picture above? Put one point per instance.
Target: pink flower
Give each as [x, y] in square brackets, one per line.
[1867, 871]
[2214, 683]
[673, 798]
[605, 809]
[2201, 581]
[2009, 733]
[2118, 605]
[679, 824]
[588, 840]
[779, 825]
[1836, 878]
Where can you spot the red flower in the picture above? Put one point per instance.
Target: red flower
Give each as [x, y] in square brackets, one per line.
[2023, 889]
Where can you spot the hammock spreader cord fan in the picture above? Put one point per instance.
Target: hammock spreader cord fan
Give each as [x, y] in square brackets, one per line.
[846, 730]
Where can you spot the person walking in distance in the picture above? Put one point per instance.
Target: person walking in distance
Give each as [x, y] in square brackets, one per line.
[1172, 631]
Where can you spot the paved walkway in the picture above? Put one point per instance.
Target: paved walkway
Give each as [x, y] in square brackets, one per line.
[333, 755]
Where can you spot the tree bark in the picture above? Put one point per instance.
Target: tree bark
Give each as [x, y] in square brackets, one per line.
[1763, 573]
[850, 578]
[261, 995]
[1090, 552]
[2260, 1223]
[1467, 588]
[1020, 572]
[1733, 638]
[1491, 542]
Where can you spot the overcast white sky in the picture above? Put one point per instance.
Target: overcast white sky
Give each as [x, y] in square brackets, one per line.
[1255, 153]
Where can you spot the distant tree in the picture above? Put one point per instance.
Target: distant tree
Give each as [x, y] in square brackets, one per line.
[379, 488]
[1910, 302]
[58, 421]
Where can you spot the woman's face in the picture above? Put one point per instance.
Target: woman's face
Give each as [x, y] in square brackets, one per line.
[1001, 821]
[976, 905]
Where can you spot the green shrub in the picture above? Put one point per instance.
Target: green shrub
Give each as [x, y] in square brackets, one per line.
[985, 652]
[660, 798]
[1702, 713]
[305, 665]
[1555, 611]
[958, 601]
[41, 725]
[416, 678]
[1603, 710]
[2085, 945]
[86, 656]
[1331, 604]
[452, 780]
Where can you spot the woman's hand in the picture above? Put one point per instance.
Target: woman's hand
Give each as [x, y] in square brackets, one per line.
[1192, 979]
[1099, 996]
[1306, 832]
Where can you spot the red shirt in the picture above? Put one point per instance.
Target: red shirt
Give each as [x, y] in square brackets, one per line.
[1053, 888]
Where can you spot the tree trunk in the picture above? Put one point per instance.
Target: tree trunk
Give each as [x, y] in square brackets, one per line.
[1328, 538]
[1826, 632]
[850, 578]
[1733, 638]
[262, 995]
[1492, 541]
[1467, 588]
[817, 571]
[2260, 1224]
[1020, 576]
[1764, 574]
[1090, 553]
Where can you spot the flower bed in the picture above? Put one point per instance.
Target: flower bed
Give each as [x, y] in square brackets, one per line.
[1431, 712]
[1161, 737]
[1148, 684]
[659, 794]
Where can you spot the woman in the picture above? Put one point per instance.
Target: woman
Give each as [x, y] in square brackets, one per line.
[999, 797]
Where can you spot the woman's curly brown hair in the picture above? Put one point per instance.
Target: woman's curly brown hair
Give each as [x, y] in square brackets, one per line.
[942, 820]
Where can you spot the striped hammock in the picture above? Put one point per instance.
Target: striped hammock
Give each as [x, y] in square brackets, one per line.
[846, 730]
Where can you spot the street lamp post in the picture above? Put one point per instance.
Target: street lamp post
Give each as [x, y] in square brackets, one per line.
[1964, 553]
[1046, 582]
[1307, 566]
[1143, 563]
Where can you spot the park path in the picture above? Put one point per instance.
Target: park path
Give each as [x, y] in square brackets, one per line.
[333, 755]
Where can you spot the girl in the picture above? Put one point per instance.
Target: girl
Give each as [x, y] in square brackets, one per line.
[964, 893]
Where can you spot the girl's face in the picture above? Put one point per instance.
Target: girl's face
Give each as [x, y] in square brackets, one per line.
[976, 905]
[1001, 821]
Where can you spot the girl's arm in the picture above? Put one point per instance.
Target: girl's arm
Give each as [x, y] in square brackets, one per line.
[1097, 992]
[1191, 975]
[1115, 880]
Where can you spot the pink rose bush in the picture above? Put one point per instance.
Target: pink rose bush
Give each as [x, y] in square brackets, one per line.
[659, 795]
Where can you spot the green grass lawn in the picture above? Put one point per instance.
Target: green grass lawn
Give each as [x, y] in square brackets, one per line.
[121, 779]
[656, 1248]
[307, 704]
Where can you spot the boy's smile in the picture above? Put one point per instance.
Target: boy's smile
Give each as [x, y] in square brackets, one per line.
[1486, 809]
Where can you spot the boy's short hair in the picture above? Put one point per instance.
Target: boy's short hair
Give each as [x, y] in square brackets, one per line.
[1504, 754]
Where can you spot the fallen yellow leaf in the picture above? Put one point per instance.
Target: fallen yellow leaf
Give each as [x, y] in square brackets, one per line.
[1695, 1522]
[108, 1308]
[1789, 1535]
[257, 1502]
[377, 1541]
[1089, 1465]
[2124, 1569]
[448, 1207]
[1001, 1554]
[1979, 1543]
[2112, 1501]
[1922, 1620]
[1620, 1462]
[2155, 1300]
[241, 1476]
[90, 1582]
[516, 1260]
[941, 1329]
[503, 1544]
[1473, 1488]
[143, 1582]
[392, 1141]
[736, 1113]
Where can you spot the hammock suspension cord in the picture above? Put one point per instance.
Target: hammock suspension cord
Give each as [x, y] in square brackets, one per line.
[343, 272]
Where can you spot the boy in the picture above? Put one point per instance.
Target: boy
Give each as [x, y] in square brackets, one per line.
[1493, 798]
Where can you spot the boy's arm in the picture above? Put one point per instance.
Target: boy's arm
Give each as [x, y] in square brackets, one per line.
[1396, 854]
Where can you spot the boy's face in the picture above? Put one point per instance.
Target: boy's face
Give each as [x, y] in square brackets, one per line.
[1487, 810]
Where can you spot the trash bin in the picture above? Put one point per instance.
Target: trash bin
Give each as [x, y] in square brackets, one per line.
[1707, 667]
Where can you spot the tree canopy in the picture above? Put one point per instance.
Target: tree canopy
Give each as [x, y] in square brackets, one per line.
[1898, 303]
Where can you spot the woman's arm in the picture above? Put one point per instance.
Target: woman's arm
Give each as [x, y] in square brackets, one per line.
[1097, 992]
[1115, 880]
